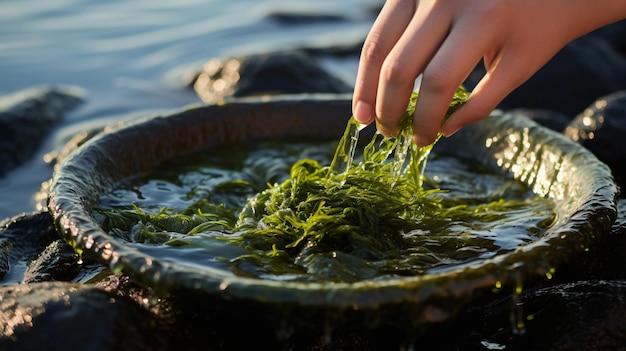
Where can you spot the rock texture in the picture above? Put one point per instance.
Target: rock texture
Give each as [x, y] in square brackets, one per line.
[265, 74]
[27, 116]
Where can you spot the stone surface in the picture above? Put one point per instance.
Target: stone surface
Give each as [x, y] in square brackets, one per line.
[66, 316]
[615, 34]
[29, 234]
[582, 315]
[265, 74]
[601, 128]
[27, 116]
[58, 261]
[5, 251]
[293, 17]
[549, 119]
[32, 251]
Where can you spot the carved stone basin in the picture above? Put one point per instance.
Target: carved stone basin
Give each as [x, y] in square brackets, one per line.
[581, 187]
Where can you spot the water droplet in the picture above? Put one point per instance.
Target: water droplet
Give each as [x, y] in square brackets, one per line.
[516, 314]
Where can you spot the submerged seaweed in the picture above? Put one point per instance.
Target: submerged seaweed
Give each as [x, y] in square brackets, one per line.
[362, 209]
[343, 222]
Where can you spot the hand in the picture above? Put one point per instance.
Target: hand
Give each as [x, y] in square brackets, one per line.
[443, 40]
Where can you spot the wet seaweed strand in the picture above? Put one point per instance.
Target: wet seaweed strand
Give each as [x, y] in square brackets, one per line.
[347, 221]
[358, 208]
[361, 208]
[348, 206]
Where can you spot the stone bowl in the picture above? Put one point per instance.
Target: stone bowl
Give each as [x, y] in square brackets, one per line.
[582, 188]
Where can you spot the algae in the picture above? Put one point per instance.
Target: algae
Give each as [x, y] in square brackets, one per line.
[358, 208]
[351, 220]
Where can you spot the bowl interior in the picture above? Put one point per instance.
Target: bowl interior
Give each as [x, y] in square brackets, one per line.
[581, 186]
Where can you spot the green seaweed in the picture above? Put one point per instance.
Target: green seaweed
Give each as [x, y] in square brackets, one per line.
[358, 208]
[347, 221]
[138, 225]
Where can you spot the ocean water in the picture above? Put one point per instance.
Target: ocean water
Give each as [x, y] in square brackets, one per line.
[131, 58]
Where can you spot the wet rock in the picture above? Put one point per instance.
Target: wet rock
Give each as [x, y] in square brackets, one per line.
[26, 236]
[582, 71]
[584, 315]
[27, 116]
[5, 249]
[298, 18]
[549, 119]
[582, 308]
[29, 234]
[350, 50]
[265, 74]
[66, 316]
[615, 34]
[604, 261]
[601, 128]
[57, 262]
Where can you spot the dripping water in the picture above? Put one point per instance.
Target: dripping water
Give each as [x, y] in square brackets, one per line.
[516, 314]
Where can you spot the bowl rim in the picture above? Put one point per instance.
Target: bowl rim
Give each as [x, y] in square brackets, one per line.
[70, 202]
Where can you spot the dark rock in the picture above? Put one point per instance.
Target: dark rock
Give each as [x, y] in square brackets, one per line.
[348, 50]
[601, 128]
[57, 262]
[25, 237]
[584, 315]
[582, 71]
[265, 74]
[604, 260]
[5, 250]
[615, 34]
[549, 119]
[29, 234]
[66, 316]
[308, 17]
[25, 119]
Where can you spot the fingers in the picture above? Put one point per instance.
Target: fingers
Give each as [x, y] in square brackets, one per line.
[457, 56]
[499, 82]
[389, 26]
[504, 74]
[483, 100]
[406, 60]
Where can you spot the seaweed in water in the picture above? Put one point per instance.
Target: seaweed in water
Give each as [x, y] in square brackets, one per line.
[358, 208]
[343, 222]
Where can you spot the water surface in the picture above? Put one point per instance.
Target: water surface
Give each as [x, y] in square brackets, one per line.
[131, 58]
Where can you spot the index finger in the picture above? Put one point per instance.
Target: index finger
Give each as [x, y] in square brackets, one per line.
[383, 36]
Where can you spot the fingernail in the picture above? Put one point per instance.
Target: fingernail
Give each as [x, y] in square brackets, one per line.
[420, 141]
[363, 112]
[450, 130]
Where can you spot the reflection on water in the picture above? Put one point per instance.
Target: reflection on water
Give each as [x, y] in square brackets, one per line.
[132, 56]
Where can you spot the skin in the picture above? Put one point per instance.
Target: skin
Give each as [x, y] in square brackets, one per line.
[443, 40]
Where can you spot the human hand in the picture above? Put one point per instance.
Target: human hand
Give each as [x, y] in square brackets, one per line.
[443, 40]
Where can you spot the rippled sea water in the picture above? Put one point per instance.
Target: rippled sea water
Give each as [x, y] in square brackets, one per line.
[131, 58]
